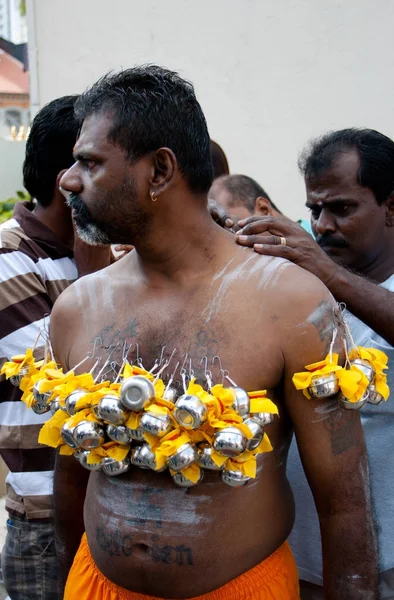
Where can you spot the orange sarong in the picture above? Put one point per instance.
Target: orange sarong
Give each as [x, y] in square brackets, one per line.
[275, 578]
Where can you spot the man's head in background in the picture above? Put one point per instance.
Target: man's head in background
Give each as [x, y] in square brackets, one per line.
[49, 153]
[219, 161]
[49, 148]
[349, 177]
[242, 196]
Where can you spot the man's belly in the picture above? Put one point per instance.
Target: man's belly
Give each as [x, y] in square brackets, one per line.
[152, 537]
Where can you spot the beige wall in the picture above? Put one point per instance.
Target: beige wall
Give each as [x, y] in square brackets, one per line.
[269, 73]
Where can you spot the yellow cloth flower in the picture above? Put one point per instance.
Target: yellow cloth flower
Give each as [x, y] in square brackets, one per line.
[303, 380]
[12, 367]
[111, 449]
[192, 472]
[245, 462]
[50, 432]
[378, 360]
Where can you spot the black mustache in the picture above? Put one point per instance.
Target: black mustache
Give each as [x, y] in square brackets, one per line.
[330, 240]
[76, 203]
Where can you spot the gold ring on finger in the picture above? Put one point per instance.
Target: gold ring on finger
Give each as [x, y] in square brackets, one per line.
[283, 241]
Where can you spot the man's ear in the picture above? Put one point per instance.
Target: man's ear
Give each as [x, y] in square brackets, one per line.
[263, 207]
[390, 211]
[164, 169]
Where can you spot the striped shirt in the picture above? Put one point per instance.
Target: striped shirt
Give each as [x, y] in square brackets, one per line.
[35, 267]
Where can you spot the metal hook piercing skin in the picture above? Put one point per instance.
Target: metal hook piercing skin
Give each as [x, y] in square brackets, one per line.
[334, 335]
[224, 373]
[182, 372]
[171, 379]
[207, 373]
[106, 362]
[138, 360]
[168, 361]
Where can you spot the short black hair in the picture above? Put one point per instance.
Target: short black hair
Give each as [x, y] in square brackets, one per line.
[376, 152]
[244, 190]
[153, 107]
[49, 147]
[219, 160]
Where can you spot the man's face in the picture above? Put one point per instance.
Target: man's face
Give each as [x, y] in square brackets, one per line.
[107, 191]
[219, 193]
[346, 220]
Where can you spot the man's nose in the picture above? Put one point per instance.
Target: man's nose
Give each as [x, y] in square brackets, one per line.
[71, 181]
[325, 223]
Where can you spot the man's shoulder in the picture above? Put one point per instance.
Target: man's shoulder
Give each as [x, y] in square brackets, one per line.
[12, 236]
[281, 277]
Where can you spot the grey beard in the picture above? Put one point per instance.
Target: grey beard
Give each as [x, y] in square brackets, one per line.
[92, 235]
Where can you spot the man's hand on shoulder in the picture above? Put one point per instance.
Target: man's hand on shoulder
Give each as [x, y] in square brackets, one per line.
[275, 236]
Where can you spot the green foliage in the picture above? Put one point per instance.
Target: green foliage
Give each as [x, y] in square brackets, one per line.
[22, 7]
[7, 206]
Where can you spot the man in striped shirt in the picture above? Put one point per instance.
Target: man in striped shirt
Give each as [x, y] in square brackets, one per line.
[38, 259]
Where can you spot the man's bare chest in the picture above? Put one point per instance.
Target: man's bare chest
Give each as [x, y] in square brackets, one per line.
[247, 353]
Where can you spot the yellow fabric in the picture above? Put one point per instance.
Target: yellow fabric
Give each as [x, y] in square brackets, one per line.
[275, 578]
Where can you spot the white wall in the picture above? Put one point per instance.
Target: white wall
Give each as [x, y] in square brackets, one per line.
[270, 74]
[12, 155]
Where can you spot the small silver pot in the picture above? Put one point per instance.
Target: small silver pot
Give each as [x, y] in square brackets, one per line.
[114, 467]
[257, 431]
[82, 458]
[55, 405]
[40, 397]
[205, 458]
[229, 442]
[183, 481]
[89, 435]
[324, 386]
[183, 457]
[40, 409]
[136, 393]
[111, 410]
[365, 367]
[242, 402]
[190, 412]
[136, 434]
[157, 425]
[170, 394]
[72, 400]
[373, 396]
[138, 458]
[67, 434]
[234, 478]
[149, 459]
[16, 379]
[353, 405]
[119, 433]
[263, 419]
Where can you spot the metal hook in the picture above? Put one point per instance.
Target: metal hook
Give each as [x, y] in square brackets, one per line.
[182, 372]
[207, 372]
[171, 379]
[138, 360]
[166, 364]
[224, 373]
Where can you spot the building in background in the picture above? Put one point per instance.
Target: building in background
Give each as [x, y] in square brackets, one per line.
[14, 96]
[13, 25]
[269, 75]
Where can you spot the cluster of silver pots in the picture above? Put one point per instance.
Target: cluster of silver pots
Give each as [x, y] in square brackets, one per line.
[326, 386]
[136, 393]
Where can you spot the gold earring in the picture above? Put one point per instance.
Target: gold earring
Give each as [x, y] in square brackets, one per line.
[152, 197]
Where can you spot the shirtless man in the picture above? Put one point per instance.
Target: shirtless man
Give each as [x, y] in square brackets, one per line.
[141, 175]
